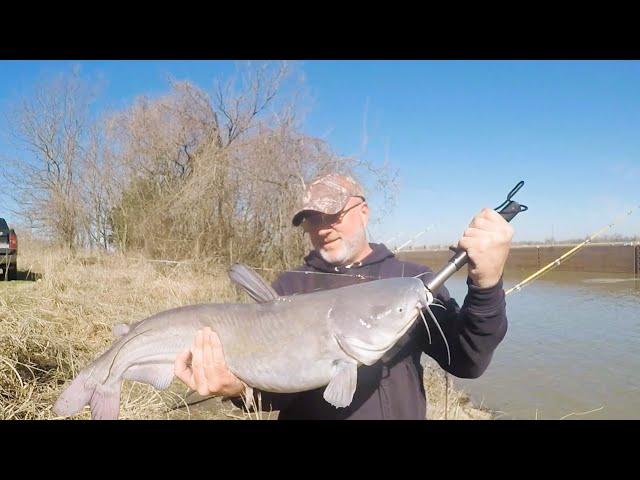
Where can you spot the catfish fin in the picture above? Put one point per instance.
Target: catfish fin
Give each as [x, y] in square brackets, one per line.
[342, 386]
[252, 283]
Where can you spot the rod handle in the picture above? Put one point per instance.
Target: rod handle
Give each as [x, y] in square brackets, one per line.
[461, 258]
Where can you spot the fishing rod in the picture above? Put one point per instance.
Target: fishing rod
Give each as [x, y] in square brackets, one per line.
[568, 254]
[357, 275]
[412, 239]
[398, 235]
[508, 209]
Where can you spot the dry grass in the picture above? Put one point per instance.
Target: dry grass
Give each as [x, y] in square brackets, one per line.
[442, 398]
[52, 325]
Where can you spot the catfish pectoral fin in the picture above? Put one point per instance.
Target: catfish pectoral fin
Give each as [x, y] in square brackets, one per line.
[342, 386]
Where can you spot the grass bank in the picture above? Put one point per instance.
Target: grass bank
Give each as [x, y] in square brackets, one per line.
[59, 316]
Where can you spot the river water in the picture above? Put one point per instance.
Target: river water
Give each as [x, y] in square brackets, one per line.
[572, 349]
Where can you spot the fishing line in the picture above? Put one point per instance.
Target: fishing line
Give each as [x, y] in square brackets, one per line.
[568, 254]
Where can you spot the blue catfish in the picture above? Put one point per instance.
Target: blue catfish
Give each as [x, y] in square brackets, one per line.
[280, 344]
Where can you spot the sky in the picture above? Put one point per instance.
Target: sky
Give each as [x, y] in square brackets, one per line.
[461, 134]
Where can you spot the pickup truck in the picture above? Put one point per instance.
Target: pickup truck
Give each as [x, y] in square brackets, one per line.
[8, 252]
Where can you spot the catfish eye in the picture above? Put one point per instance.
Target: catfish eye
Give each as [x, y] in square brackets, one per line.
[400, 309]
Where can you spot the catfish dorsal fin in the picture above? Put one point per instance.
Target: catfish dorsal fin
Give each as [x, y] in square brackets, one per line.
[252, 283]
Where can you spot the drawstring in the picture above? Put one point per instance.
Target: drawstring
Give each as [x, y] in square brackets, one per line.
[347, 267]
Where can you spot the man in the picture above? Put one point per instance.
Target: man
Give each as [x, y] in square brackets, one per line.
[334, 214]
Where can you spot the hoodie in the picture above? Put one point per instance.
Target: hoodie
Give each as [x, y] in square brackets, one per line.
[393, 388]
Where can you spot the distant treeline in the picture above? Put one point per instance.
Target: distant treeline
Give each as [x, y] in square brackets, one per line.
[615, 238]
[612, 238]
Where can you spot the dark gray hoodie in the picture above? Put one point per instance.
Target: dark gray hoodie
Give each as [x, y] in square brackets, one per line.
[392, 388]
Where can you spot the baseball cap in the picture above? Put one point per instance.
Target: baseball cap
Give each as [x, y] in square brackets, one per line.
[328, 194]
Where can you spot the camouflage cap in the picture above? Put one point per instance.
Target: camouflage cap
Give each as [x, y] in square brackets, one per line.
[328, 194]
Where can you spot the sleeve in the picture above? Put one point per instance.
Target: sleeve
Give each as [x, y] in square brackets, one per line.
[270, 400]
[473, 332]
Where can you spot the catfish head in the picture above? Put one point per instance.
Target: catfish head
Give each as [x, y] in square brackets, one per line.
[368, 319]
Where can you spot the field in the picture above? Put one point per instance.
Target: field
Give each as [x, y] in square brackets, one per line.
[59, 316]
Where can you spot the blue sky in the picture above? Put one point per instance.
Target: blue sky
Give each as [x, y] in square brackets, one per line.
[461, 133]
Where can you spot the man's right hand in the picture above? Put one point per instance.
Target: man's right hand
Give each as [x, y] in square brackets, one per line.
[203, 368]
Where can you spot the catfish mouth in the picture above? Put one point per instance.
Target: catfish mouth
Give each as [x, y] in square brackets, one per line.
[366, 347]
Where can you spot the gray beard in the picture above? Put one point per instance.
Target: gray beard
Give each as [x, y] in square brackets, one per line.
[349, 249]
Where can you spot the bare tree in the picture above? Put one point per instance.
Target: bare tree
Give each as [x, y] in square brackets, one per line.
[187, 174]
[51, 126]
[218, 176]
[101, 185]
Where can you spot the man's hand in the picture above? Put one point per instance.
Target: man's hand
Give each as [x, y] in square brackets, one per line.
[487, 242]
[208, 373]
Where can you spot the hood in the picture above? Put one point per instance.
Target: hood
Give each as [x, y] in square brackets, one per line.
[379, 254]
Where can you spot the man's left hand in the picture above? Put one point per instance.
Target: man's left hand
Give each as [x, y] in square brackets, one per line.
[487, 242]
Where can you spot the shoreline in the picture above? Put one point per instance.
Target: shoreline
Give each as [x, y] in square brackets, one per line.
[594, 258]
[451, 403]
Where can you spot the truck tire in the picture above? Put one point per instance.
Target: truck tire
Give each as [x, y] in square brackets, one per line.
[13, 273]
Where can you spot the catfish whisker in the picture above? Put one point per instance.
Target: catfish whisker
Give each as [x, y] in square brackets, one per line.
[425, 324]
[441, 333]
